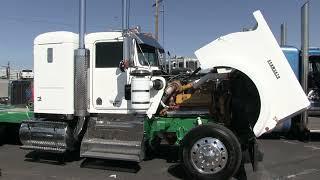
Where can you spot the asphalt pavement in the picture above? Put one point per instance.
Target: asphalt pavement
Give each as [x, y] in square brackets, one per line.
[283, 159]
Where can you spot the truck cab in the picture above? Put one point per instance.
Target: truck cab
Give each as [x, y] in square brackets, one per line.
[107, 80]
[54, 60]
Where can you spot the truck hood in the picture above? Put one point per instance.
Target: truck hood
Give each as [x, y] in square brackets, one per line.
[257, 54]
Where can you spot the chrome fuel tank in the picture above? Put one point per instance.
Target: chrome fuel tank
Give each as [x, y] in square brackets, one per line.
[44, 135]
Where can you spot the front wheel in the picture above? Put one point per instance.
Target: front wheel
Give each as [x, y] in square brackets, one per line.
[211, 152]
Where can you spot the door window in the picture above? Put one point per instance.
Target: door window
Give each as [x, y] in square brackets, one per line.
[109, 54]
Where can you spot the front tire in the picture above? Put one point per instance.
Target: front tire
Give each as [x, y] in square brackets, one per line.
[211, 152]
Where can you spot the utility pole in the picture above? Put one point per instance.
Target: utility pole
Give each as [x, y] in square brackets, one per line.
[157, 20]
[162, 24]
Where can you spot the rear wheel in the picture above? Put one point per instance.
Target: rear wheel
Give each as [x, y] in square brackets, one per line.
[211, 152]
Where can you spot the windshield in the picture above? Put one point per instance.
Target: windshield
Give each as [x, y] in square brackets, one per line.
[147, 55]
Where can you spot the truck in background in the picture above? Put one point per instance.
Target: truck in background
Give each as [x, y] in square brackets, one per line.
[26, 74]
[4, 91]
[305, 63]
[17, 107]
[293, 56]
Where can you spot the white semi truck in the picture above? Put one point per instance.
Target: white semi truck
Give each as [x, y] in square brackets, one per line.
[108, 95]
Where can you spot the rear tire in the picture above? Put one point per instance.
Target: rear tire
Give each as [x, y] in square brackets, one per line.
[211, 152]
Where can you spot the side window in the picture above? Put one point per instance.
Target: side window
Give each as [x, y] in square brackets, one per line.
[50, 55]
[109, 54]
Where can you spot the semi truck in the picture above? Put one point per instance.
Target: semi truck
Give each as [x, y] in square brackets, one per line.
[10, 121]
[15, 107]
[106, 94]
[294, 58]
[305, 64]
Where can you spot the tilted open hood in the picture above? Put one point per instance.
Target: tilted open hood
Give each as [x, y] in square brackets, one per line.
[257, 54]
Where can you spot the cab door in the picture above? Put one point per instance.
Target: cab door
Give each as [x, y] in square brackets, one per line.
[108, 80]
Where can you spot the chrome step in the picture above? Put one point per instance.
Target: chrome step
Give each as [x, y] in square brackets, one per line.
[117, 137]
[44, 135]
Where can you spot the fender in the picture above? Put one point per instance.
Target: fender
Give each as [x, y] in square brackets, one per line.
[257, 54]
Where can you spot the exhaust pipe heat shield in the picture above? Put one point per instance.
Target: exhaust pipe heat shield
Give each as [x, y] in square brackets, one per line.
[257, 54]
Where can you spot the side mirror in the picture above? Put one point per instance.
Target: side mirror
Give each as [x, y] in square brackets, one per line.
[124, 65]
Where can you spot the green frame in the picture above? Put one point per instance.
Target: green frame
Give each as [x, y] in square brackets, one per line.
[178, 125]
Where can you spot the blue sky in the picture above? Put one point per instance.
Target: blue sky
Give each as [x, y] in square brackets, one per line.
[189, 24]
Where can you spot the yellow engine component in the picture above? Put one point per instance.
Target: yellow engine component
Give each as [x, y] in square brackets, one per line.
[186, 87]
[180, 98]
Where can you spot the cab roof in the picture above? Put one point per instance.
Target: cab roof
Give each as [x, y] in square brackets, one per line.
[56, 38]
[70, 37]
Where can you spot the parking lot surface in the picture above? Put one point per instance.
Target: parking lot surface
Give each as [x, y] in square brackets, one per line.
[283, 159]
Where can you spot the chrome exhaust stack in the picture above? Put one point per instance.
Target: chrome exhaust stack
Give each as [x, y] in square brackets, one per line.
[305, 58]
[81, 66]
[127, 40]
[283, 34]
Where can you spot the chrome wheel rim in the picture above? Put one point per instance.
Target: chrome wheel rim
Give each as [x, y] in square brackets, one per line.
[209, 155]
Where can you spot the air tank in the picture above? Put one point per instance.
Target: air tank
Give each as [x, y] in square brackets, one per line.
[140, 90]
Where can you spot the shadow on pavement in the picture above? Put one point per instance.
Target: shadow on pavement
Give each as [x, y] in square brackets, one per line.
[11, 134]
[177, 171]
[306, 137]
[166, 152]
[112, 165]
[52, 158]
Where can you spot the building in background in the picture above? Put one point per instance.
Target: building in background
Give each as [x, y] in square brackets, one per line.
[182, 63]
